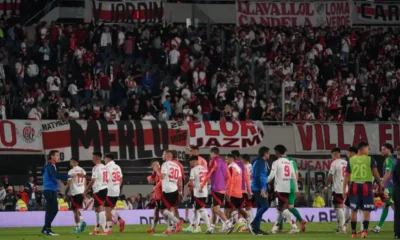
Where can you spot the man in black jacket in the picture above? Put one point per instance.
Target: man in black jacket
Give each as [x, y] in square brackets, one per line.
[11, 200]
[31, 189]
[396, 196]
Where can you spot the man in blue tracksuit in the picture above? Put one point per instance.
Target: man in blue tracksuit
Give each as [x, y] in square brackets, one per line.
[259, 188]
[50, 188]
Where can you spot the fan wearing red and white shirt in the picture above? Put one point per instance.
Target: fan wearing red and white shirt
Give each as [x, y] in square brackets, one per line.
[99, 184]
[352, 81]
[221, 90]
[398, 74]
[54, 84]
[187, 113]
[114, 179]
[88, 202]
[309, 116]
[171, 177]
[131, 84]
[340, 117]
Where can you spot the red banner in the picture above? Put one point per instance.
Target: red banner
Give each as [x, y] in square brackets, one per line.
[290, 14]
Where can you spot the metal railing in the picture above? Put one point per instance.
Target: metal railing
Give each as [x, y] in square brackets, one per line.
[39, 15]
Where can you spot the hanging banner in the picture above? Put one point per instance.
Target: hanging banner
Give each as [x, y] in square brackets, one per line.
[127, 140]
[19, 136]
[223, 134]
[290, 14]
[322, 138]
[142, 11]
[316, 177]
[378, 13]
[9, 7]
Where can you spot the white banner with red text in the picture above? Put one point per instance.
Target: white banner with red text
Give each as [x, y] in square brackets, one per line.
[321, 138]
[21, 136]
[226, 134]
[142, 11]
[145, 217]
[315, 14]
[131, 140]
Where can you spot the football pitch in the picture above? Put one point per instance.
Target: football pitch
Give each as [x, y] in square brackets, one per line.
[317, 231]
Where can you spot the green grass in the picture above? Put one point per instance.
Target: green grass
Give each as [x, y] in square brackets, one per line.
[317, 231]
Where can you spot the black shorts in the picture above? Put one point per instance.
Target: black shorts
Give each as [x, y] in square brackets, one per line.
[157, 204]
[347, 202]
[76, 201]
[199, 203]
[169, 200]
[337, 198]
[111, 201]
[282, 198]
[192, 198]
[234, 203]
[217, 199]
[100, 198]
[249, 202]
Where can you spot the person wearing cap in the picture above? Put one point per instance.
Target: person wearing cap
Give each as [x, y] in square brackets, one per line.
[11, 200]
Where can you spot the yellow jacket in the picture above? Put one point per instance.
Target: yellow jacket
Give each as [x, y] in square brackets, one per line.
[21, 206]
[318, 202]
[120, 205]
[62, 205]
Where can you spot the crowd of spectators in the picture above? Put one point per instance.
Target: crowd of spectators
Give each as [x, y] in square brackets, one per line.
[113, 72]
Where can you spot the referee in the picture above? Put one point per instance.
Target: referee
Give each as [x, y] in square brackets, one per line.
[50, 188]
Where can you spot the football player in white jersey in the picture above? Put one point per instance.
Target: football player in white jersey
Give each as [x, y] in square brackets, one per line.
[114, 176]
[171, 181]
[99, 183]
[76, 187]
[282, 171]
[336, 173]
[249, 201]
[197, 174]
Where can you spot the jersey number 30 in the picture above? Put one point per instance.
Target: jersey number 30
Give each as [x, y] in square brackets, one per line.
[173, 173]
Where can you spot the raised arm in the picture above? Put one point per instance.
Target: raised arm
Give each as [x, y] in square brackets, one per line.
[51, 169]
